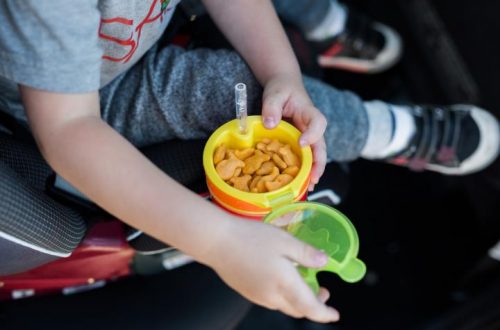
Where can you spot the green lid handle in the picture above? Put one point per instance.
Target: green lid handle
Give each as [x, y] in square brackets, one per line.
[283, 199]
[354, 271]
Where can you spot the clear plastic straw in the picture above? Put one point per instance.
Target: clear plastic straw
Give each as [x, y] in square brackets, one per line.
[240, 99]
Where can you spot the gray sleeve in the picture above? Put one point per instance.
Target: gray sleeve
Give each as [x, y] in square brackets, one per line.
[51, 44]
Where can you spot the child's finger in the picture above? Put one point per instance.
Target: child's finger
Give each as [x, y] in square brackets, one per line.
[272, 109]
[281, 304]
[302, 299]
[319, 156]
[323, 295]
[304, 254]
[288, 309]
[315, 129]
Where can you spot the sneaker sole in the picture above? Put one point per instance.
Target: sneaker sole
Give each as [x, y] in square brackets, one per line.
[389, 56]
[488, 148]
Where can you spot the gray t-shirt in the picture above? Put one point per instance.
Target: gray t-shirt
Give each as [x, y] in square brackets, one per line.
[73, 46]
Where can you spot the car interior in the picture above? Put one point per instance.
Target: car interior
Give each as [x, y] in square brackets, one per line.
[429, 241]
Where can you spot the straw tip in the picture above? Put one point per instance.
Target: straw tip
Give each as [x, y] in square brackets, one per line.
[240, 86]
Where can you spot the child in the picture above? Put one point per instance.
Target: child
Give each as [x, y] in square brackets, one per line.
[88, 70]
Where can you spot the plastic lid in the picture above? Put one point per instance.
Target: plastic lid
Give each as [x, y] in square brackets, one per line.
[326, 229]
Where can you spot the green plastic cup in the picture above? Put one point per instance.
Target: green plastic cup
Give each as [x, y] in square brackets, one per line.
[326, 229]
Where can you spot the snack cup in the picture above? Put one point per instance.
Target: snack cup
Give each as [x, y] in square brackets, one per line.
[248, 204]
[326, 229]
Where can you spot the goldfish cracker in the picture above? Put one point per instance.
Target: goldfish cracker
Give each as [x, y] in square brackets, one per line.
[292, 170]
[279, 162]
[237, 172]
[261, 146]
[260, 187]
[281, 180]
[227, 168]
[288, 156]
[253, 183]
[219, 154]
[241, 182]
[273, 146]
[254, 162]
[266, 168]
[245, 153]
[272, 176]
[230, 154]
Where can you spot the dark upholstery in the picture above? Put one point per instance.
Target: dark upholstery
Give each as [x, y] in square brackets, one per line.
[32, 225]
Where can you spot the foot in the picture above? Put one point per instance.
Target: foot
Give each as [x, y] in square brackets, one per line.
[453, 140]
[363, 46]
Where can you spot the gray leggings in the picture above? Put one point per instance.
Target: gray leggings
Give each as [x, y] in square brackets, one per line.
[173, 93]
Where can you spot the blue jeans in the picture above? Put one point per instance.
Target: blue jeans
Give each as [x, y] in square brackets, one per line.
[304, 14]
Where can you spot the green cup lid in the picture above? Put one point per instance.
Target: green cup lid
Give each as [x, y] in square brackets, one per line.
[326, 229]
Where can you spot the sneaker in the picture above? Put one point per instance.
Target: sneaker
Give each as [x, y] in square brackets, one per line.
[454, 140]
[363, 46]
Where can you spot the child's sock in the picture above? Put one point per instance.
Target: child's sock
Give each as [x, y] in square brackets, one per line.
[390, 129]
[332, 25]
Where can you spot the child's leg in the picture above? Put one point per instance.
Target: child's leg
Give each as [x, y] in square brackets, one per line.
[341, 37]
[456, 140]
[173, 93]
[306, 15]
[347, 129]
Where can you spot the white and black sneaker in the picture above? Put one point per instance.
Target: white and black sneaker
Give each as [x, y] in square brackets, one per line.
[453, 140]
[364, 46]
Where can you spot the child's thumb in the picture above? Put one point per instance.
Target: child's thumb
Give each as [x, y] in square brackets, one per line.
[307, 255]
[272, 108]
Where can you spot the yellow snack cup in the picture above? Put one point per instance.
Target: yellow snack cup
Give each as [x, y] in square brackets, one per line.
[248, 204]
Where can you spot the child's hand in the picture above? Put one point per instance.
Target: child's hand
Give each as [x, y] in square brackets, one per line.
[284, 95]
[258, 260]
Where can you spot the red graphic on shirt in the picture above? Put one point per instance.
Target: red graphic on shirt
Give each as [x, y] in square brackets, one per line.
[132, 42]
